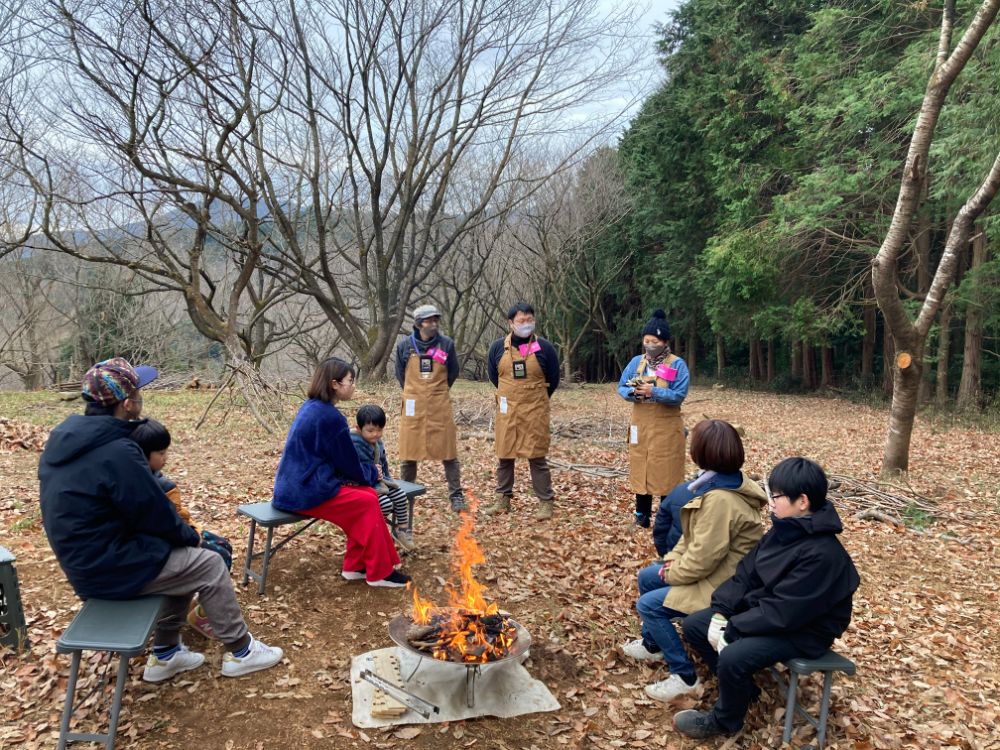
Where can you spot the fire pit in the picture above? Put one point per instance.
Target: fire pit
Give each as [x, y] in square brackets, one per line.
[482, 643]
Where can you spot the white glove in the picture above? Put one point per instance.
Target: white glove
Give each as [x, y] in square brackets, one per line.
[715, 630]
[722, 642]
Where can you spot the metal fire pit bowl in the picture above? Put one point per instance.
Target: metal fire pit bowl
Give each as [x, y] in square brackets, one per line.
[401, 623]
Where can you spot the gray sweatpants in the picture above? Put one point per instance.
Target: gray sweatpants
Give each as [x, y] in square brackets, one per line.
[189, 571]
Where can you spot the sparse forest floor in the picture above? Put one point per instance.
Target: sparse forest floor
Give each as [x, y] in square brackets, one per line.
[925, 635]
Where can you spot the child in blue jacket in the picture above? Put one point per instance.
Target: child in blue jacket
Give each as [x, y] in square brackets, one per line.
[367, 439]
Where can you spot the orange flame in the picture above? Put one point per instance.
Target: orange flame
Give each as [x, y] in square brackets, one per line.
[463, 636]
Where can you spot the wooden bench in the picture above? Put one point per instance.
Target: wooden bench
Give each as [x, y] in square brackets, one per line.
[270, 518]
[828, 664]
[117, 627]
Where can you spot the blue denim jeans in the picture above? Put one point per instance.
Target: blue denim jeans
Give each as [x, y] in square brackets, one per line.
[658, 633]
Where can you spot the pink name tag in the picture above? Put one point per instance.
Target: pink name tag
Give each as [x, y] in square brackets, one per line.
[666, 373]
[531, 348]
[438, 355]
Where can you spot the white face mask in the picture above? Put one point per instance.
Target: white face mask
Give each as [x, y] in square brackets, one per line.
[524, 330]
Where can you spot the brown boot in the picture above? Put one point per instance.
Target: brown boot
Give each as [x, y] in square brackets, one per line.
[544, 512]
[501, 505]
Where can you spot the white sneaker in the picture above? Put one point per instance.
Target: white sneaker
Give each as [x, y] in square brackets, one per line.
[158, 670]
[353, 575]
[637, 650]
[670, 688]
[261, 656]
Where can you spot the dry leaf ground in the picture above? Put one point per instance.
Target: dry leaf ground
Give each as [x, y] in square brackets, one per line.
[925, 635]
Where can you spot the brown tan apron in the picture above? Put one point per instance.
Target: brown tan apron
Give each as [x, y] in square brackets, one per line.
[522, 406]
[656, 441]
[426, 423]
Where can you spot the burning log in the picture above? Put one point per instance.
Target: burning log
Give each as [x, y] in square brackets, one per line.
[463, 636]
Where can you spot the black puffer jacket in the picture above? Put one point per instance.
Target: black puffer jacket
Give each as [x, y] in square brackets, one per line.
[106, 517]
[798, 583]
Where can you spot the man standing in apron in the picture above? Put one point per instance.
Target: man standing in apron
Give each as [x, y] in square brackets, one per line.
[525, 370]
[426, 367]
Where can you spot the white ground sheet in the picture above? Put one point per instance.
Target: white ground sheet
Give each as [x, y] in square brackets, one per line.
[504, 689]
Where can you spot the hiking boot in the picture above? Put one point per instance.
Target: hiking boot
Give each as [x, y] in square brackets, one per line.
[459, 505]
[640, 521]
[670, 688]
[697, 724]
[500, 505]
[158, 670]
[198, 620]
[395, 580]
[544, 511]
[353, 575]
[404, 539]
[261, 656]
[637, 650]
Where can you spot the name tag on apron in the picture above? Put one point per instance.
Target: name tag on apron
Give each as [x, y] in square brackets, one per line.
[520, 370]
[410, 409]
[426, 364]
[633, 434]
[503, 404]
[666, 373]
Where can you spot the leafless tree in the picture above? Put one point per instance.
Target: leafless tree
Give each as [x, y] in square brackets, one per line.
[909, 334]
[415, 123]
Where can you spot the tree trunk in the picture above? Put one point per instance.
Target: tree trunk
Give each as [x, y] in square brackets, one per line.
[868, 343]
[826, 379]
[692, 350]
[970, 386]
[796, 360]
[888, 355]
[755, 358]
[808, 366]
[770, 360]
[943, 353]
[720, 356]
[906, 383]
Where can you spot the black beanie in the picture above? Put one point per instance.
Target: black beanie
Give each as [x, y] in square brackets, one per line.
[658, 326]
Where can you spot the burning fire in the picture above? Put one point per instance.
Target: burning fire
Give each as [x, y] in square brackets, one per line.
[469, 629]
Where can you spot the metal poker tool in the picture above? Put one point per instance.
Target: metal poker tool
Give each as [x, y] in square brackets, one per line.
[411, 701]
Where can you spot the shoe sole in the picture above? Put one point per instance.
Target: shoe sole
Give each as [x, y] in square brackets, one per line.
[256, 668]
[352, 575]
[172, 674]
[383, 584]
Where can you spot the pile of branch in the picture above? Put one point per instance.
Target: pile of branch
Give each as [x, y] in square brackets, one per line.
[21, 436]
[464, 637]
[885, 501]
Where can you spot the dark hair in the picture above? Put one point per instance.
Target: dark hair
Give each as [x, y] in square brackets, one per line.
[517, 307]
[799, 476]
[151, 436]
[94, 409]
[329, 370]
[371, 414]
[716, 446]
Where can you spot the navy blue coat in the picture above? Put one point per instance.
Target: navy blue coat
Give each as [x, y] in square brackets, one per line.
[667, 529]
[108, 521]
[318, 458]
[797, 583]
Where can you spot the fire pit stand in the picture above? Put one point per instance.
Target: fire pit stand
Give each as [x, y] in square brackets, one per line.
[399, 625]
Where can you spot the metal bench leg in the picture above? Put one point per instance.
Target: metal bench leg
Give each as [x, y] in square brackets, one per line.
[824, 708]
[793, 685]
[413, 502]
[249, 560]
[74, 671]
[116, 702]
[267, 561]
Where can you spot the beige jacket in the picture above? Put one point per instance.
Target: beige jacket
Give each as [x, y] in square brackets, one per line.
[720, 527]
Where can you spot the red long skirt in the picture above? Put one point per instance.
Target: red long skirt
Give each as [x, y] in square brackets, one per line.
[355, 510]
